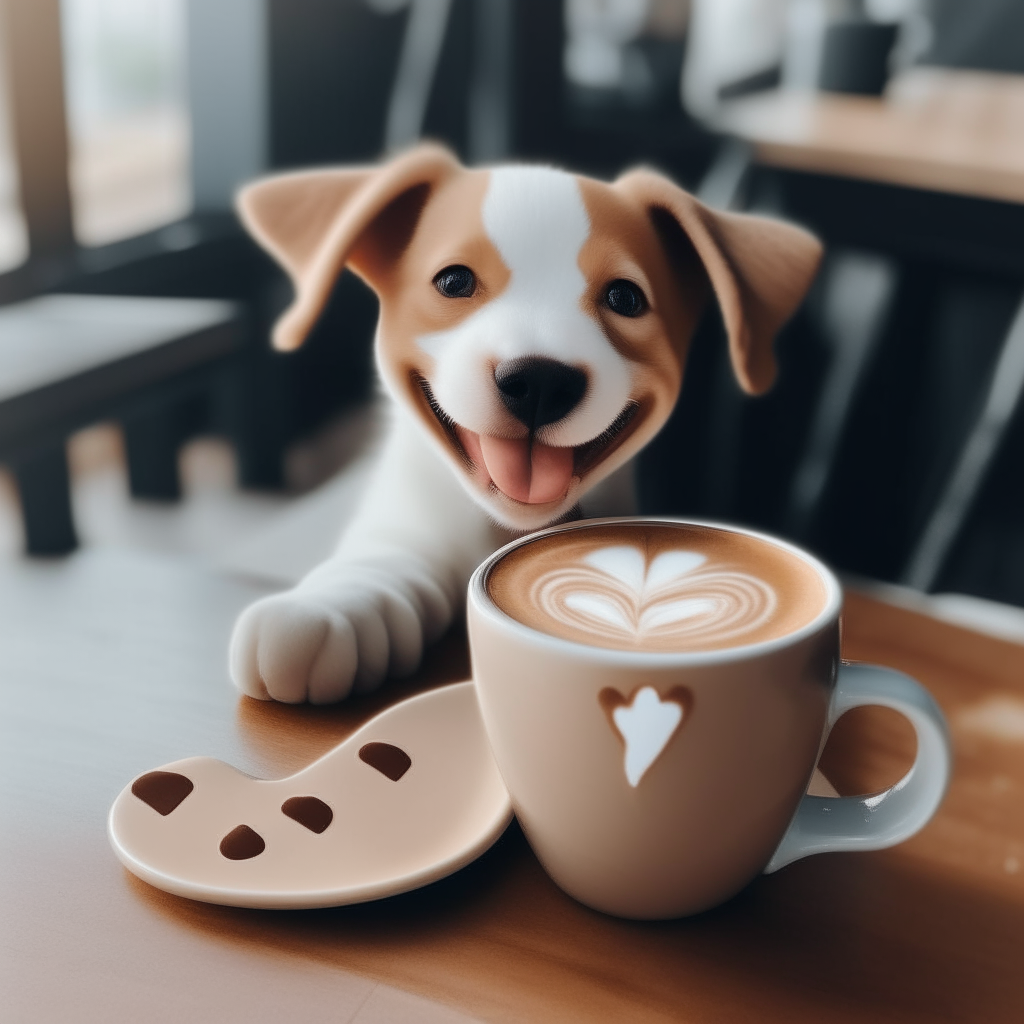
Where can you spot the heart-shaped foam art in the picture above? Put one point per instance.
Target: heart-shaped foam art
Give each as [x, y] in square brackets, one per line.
[645, 723]
[614, 590]
[411, 797]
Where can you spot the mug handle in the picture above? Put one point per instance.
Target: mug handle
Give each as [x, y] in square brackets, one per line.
[830, 824]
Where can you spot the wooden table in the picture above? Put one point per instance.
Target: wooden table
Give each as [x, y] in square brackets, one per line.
[111, 663]
[947, 131]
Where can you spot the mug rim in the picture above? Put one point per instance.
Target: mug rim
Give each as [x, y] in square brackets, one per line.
[482, 601]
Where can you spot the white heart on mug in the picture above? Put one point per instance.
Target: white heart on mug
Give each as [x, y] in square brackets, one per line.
[646, 726]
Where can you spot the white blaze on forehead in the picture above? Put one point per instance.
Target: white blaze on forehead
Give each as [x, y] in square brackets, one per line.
[537, 221]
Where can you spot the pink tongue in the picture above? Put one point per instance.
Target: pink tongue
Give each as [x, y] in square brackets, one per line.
[529, 473]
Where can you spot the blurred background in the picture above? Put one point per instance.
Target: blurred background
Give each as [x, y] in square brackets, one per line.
[140, 403]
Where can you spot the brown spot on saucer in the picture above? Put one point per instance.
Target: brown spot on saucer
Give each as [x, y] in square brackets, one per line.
[163, 791]
[241, 843]
[388, 759]
[309, 811]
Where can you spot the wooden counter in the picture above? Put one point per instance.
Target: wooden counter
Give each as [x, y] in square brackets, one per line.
[948, 131]
[111, 663]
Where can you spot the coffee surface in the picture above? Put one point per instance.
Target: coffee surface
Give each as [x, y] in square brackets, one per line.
[657, 587]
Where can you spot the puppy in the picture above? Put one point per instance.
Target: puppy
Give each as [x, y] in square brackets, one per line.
[533, 331]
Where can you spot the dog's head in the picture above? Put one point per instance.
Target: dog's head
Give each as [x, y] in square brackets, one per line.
[536, 322]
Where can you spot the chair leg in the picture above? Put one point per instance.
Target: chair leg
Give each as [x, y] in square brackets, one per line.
[257, 422]
[151, 441]
[45, 492]
[1006, 391]
[726, 179]
[859, 295]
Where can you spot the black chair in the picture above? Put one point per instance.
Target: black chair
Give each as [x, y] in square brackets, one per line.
[69, 360]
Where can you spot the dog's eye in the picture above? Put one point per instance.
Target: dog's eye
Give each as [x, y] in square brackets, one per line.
[625, 298]
[455, 282]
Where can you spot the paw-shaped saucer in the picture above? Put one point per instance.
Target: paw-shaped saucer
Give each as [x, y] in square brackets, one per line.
[411, 797]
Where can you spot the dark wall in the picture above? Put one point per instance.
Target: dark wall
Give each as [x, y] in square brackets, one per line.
[332, 65]
[983, 34]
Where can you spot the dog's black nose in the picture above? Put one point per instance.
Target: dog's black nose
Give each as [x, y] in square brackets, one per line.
[539, 391]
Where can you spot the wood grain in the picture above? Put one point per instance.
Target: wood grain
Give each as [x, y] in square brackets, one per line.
[114, 663]
[942, 130]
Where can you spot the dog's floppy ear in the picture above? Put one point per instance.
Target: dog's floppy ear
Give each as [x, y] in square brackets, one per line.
[312, 222]
[759, 269]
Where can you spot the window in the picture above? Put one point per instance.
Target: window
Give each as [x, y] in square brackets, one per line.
[125, 70]
[13, 234]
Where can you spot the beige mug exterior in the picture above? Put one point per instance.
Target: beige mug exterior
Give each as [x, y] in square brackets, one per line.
[710, 811]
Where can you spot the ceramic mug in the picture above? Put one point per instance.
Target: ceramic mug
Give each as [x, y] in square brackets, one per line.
[737, 733]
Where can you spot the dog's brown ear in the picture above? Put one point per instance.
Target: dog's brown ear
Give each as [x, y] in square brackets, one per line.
[760, 269]
[314, 222]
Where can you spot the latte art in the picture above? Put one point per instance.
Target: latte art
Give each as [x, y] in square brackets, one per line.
[615, 589]
[645, 585]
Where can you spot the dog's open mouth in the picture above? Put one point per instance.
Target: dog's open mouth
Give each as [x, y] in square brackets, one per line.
[524, 469]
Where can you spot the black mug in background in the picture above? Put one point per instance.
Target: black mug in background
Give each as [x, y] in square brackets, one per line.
[855, 57]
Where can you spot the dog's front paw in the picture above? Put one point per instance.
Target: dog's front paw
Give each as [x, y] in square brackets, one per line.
[317, 645]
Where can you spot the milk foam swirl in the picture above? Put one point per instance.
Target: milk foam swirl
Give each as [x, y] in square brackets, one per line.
[613, 590]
